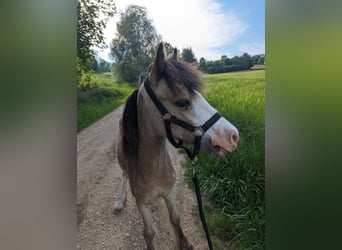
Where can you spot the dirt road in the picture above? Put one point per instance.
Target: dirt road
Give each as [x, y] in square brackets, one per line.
[98, 186]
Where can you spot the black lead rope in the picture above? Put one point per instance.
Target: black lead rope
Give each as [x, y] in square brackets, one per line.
[199, 203]
[198, 132]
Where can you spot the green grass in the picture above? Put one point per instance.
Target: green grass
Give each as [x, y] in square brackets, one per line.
[236, 183]
[98, 99]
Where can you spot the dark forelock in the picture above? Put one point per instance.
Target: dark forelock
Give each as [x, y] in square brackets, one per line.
[183, 73]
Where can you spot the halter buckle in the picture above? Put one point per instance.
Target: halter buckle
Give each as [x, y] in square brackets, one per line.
[167, 116]
[199, 131]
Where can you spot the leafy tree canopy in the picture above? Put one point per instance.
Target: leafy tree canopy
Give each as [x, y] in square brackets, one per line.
[188, 55]
[134, 44]
[226, 64]
[92, 17]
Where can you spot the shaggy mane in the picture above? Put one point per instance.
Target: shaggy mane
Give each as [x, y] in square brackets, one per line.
[183, 73]
[130, 131]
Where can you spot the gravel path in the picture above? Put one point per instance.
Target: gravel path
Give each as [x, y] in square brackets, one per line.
[98, 186]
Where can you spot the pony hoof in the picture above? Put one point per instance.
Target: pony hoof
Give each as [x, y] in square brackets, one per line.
[151, 247]
[118, 207]
[187, 246]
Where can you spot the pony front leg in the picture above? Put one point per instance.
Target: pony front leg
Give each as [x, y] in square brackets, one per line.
[120, 203]
[149, 231]
[170, 201]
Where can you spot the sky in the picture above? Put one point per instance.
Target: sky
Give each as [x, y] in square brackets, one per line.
[212, 28]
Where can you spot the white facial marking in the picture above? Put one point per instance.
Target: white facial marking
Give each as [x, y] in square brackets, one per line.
[202, 109]
[222, 133]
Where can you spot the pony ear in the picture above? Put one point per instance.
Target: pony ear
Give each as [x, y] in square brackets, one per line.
[175, 55]
[159, 62]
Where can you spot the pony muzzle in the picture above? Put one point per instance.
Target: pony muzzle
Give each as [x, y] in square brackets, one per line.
[220, 143]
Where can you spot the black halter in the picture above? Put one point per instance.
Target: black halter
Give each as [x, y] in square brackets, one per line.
[170, 118]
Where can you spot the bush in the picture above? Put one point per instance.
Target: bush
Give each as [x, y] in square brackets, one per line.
[99, 97]
[232, 68]
[94, 94]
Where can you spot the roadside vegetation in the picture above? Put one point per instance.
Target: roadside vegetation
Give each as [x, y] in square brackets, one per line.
[98, 97]
[235, 184]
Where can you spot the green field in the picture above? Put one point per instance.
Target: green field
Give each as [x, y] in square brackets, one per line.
[100, 98]
[236, 183]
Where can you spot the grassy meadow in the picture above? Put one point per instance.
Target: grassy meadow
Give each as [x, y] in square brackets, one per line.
[98, 99]
[236, 183]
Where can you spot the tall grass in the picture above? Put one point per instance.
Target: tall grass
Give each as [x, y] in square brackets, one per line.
[236, 183]
[99, 98]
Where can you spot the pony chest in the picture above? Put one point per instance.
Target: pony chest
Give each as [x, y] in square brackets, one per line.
[154, 181]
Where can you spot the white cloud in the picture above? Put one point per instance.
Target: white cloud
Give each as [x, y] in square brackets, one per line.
[253, 48]
[201, 24]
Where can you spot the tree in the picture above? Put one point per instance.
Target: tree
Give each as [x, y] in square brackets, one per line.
[226, 64]
[202, 64]
[261, 60]
[226, 61]
[95, 66]
[188, 55]
[104, 66]
[255, 59]
[92, 17]
[236, 60]
[218, 66]
[246, 60]
[134, 45]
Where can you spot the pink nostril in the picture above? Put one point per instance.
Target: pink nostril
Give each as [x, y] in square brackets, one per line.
[234, 137]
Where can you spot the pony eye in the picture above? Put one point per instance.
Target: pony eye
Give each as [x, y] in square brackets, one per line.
[182, 104]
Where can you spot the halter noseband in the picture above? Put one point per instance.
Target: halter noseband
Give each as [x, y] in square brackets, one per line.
[170, 118]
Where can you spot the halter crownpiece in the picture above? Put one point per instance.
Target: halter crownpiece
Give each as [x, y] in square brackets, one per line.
[170, 118]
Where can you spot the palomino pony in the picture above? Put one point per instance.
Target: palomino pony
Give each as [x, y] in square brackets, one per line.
[171, 86]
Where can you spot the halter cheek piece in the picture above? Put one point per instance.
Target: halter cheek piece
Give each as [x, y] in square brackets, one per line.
[170, 118]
